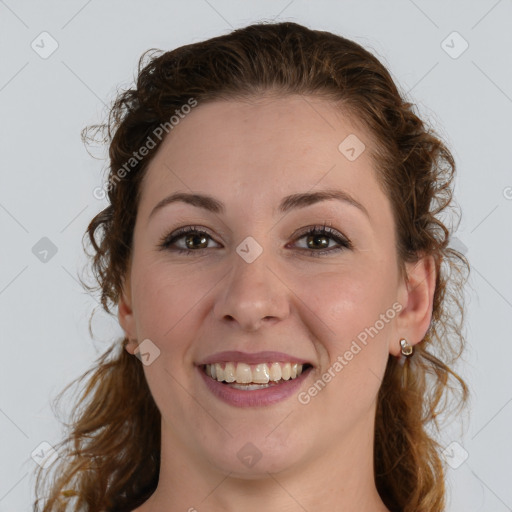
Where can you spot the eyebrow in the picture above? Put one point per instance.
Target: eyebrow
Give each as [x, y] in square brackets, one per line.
[288, 203]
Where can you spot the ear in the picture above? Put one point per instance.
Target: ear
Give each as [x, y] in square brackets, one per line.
[126, 317]
[417, 296]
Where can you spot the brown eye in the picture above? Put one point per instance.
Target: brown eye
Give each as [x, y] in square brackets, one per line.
[186, 240]
[191, 241]
[319, 238]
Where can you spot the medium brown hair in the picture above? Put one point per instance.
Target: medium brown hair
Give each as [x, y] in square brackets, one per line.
[110, 459]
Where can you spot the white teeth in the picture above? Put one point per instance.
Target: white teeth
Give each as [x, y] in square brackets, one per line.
[219, 371]
[275, 372]
[261, 374]
[242, 373]
[229, 372]
[250, 387]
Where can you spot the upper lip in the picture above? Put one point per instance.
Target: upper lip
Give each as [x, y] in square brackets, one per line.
[254, 358]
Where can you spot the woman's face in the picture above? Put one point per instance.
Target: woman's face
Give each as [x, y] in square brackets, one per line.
[257, 282]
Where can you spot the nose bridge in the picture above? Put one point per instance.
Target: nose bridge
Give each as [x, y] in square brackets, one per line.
[252, 293]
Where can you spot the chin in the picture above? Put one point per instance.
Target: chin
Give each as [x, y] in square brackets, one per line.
[253, 457]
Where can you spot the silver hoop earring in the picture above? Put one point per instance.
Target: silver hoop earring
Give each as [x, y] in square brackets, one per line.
[407, 350]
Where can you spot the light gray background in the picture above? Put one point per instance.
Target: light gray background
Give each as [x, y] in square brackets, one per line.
[48, 179]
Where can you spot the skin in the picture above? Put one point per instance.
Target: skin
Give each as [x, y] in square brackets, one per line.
[249, 154]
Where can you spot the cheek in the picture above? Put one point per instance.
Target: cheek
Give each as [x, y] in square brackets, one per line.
[164, 298]
[353, 320]
[349, 300]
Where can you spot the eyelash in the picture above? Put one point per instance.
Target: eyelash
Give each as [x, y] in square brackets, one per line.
[168, 240]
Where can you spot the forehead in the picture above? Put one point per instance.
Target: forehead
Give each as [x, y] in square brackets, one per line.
[263, 147]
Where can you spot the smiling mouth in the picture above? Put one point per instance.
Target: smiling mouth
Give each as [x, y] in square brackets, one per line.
[252, 377]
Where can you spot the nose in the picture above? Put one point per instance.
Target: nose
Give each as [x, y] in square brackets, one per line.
[252, 295]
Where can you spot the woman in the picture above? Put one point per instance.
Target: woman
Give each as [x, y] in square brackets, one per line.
[274, 251]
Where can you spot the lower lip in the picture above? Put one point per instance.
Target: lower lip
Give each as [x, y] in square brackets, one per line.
[256, 397]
